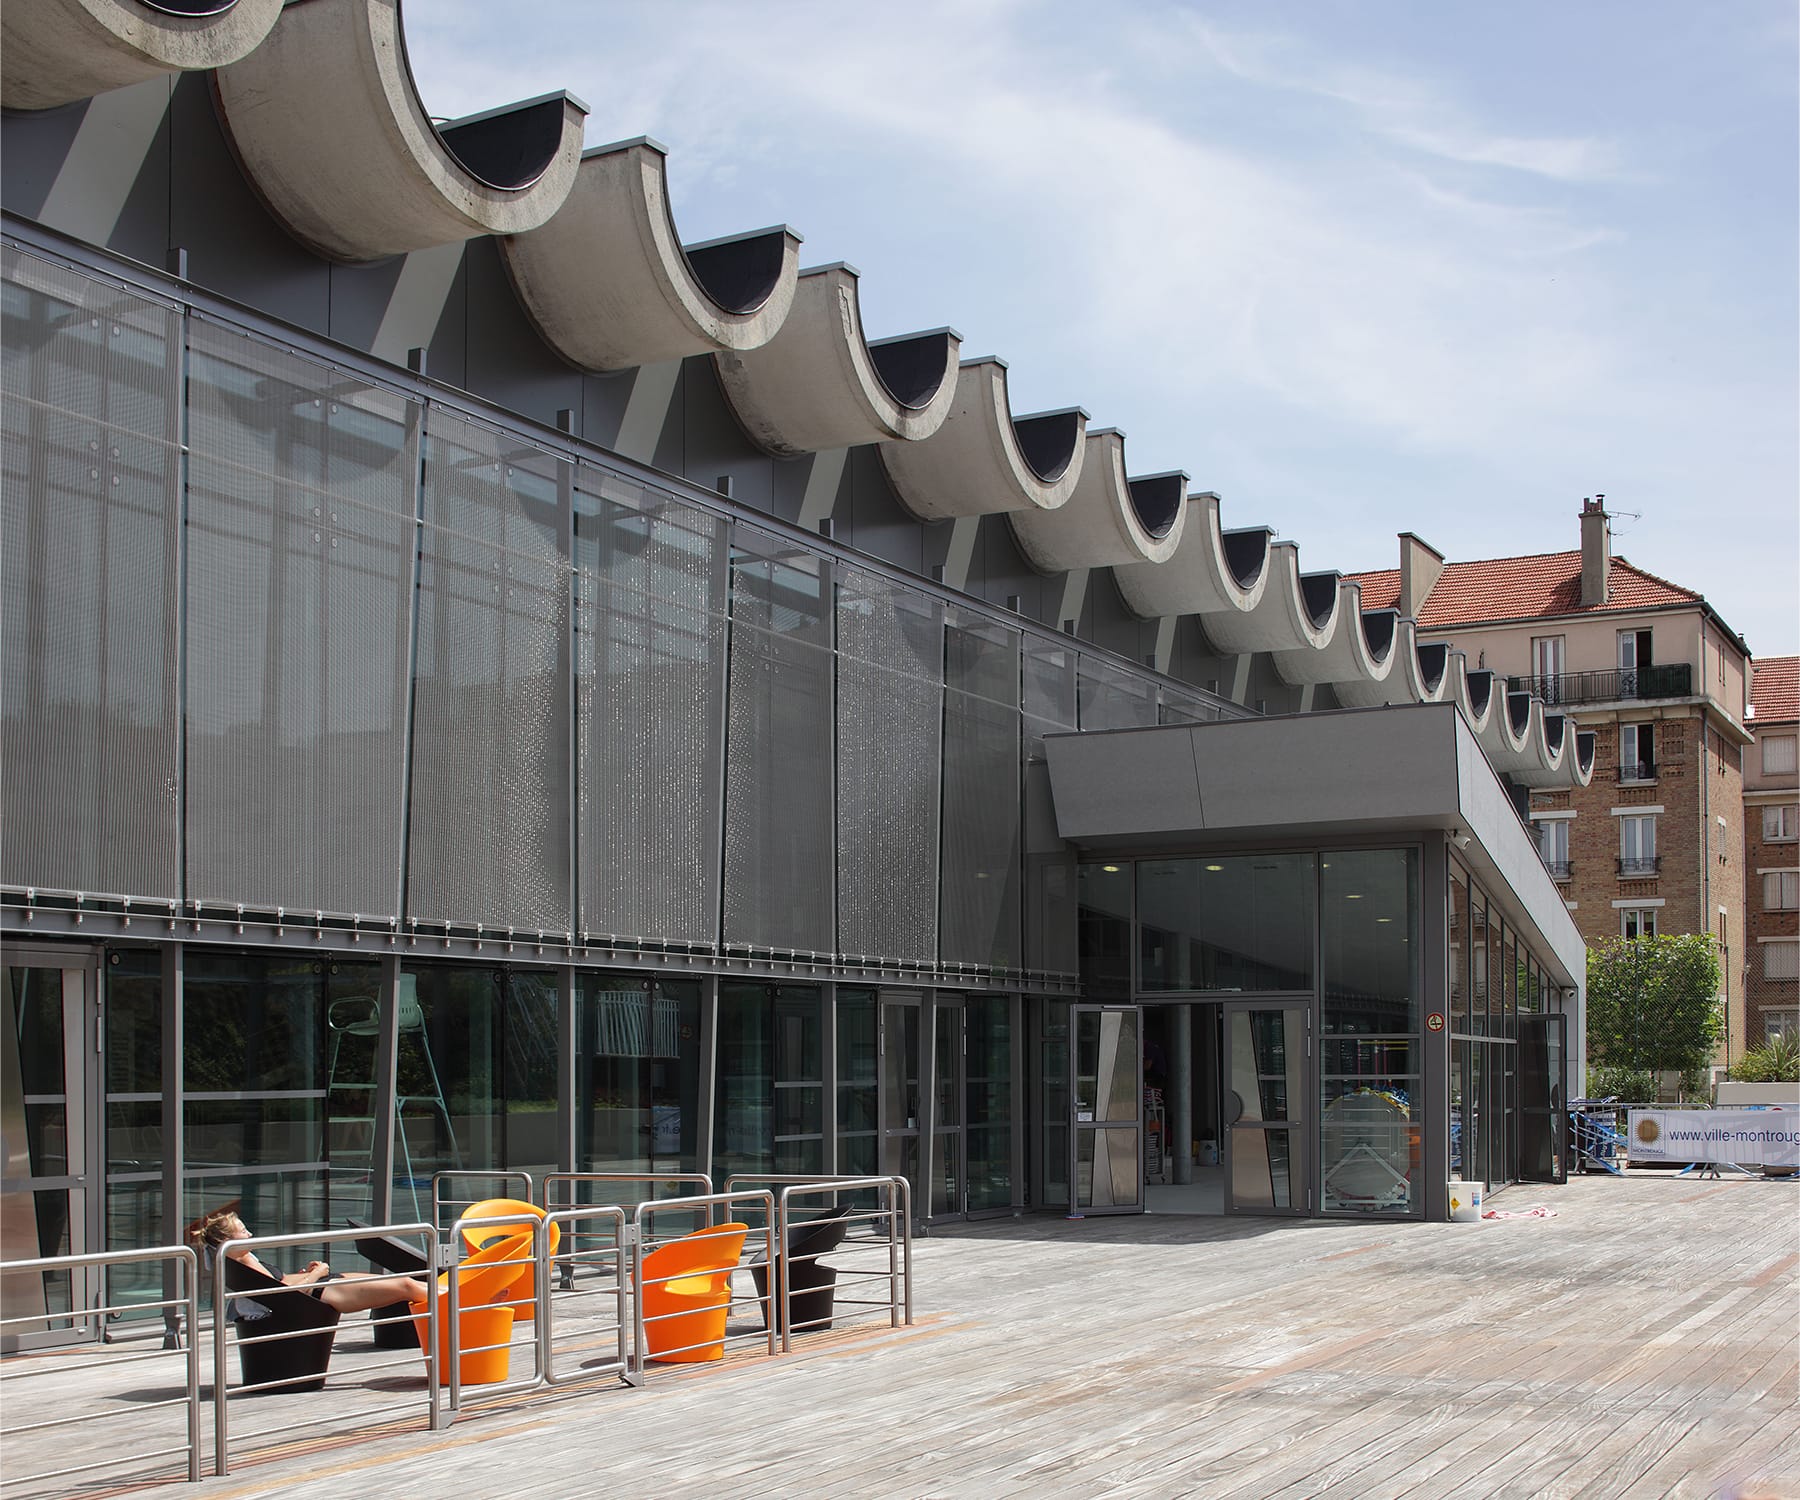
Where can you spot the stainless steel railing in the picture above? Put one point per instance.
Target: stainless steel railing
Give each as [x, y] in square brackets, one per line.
[441, 1198]
[589, 1265]
[643, 1242]
[188, 1301]
[223, 1298]
[891, 1214]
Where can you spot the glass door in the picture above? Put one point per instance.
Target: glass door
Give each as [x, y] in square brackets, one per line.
[49, 1131]
[1267, 1047]
[1107, 1098]
[901, 1102]
[948, 1177]
[1541, 1111]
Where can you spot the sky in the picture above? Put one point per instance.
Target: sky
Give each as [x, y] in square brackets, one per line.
[1361, 268]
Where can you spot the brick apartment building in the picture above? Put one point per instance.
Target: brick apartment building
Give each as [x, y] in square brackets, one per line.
[1772, 858]
[1655, 844]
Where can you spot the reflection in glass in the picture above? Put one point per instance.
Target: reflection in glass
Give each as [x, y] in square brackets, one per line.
[1106, 1066]
[947, 1117]
[637, 1070]
[1227, 922]
[858, 1085]
[1053, 1092]
[770, 1104]
[988, 1019]
[1106, 1168]
[1368, 1144]
[1104, 940]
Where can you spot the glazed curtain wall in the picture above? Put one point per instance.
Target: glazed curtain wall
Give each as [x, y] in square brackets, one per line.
[284, 635]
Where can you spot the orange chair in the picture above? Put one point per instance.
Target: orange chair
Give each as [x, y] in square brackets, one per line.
[483, 1330]
[475, 1236]
[686, 1294]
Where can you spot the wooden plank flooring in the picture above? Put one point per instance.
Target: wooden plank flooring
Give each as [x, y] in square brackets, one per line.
[1645, 1342]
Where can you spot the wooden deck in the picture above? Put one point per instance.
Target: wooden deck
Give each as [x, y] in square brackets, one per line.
[1644, 1342]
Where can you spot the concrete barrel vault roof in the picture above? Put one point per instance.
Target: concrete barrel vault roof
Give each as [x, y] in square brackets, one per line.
[609, 285]
[1108, 519]
[57, 51]
[327, 121]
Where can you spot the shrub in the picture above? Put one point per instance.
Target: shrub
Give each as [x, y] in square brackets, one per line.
[1776, 1061]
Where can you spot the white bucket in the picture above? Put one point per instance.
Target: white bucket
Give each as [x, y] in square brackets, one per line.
[1465, 1202]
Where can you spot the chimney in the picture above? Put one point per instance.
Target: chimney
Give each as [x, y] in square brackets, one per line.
[1596, 551]
[1421, 565]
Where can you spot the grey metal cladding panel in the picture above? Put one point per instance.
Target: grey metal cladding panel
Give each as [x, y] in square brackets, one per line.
[1050, 682]
[889, 727]
[650, 666]
[1141, 782]
[507, 361]
[1111, 698]
[33, 148]
[981, 897]
[778, 777]
[488, 835]
[879, 525]
[301, 542]
[88, 553]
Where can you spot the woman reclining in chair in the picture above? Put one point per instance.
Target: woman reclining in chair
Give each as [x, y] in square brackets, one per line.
[223, 1232]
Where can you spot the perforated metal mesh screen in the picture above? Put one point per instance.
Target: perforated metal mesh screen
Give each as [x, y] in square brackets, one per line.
[778, 773]
[88, 546]
[890, 646]
[979, 902]
[651, 698]
[301, 534]
[488, 834]
[1111, 698]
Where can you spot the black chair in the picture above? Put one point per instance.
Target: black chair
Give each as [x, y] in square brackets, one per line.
[393, 1324]
[811, 1285]
[266, 1356]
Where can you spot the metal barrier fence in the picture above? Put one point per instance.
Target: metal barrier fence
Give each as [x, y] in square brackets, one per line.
[893, 1207]
[563, 1190]
[189, 1301]
[606, 1263]
[474, 1234]
[441, 1199]
[224, 1299]
[641, 1239]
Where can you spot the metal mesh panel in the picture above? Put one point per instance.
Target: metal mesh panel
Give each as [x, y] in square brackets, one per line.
[488, 833]
[651, 693]
[1109, 697]
[1182, 708]
[88, 548]
[301, 538]
[981, 868]
[778, 781]
[1050, 909]
[889, 729]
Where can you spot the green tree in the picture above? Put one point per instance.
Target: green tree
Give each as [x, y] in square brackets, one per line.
[1653, 1004]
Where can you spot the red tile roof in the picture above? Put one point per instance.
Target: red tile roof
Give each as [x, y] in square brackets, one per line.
[1522, 588]
[1775, 689]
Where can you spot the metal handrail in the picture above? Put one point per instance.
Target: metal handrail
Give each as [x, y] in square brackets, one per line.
[456, 1349]
[439, 1198]
[898, 1213]
[624, 1367]
[182, 1256]
[640, 1221]
[222, 1298]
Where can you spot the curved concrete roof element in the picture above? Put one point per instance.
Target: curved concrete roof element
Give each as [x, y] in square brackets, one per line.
[819, 383]
[610, 286]
[1526, 749]
[1357, 658]
[984, 460]
[327, 122]
[57, 51]
[1108, 520]
[1294, 612]
[1210, 570]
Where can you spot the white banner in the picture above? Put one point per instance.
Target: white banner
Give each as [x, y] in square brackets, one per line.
[1748, 1137]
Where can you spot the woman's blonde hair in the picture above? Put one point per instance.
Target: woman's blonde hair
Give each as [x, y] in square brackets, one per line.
[217, 1227]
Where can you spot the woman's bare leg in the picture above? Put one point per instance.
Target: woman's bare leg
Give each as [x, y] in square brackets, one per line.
[360, 1293]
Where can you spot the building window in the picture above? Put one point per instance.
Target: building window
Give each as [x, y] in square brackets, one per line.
[1634, 656]
[1781, 890]
[1778, 755]
[1547, 667]
[1780, 823]
[1637, 752]
[1637, 922]
[1781, 960]
[1553, 846]
[1637, 846]
[1780, 1023]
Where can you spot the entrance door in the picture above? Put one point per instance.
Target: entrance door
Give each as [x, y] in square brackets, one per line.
[1107, 1101]
[49, 1126]
[1542, 1115]
[1266, 1114]
[948, 1177]
[901, 1102]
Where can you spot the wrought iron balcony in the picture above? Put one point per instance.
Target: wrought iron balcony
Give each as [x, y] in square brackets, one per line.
[1640, 868]
[1621, 684]
[1560, 869]
[1643, 770]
